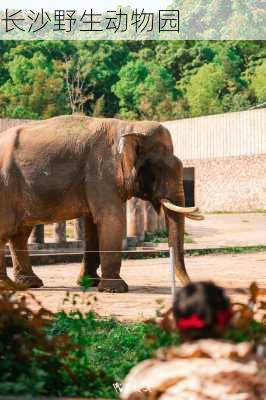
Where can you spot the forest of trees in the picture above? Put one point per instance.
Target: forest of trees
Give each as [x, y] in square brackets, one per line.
[160, 80]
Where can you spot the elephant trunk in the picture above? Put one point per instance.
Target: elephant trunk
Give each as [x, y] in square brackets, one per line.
[176, 229]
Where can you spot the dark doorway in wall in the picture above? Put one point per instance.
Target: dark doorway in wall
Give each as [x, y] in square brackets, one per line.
[189, 186]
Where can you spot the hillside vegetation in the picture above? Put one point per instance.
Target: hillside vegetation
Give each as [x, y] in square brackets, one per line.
[132, 79]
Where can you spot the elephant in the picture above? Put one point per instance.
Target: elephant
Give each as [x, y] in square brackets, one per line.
[71, 166]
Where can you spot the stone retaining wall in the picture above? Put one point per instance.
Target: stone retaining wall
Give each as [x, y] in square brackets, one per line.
[230, 184]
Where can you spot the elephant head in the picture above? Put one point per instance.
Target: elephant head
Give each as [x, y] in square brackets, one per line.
[150, 170]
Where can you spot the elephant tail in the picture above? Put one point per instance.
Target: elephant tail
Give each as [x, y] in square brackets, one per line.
[9, 141]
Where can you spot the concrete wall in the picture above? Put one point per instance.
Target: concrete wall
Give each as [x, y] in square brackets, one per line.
[228, 152]
[218, 136]
[231, 184]
[6, 123]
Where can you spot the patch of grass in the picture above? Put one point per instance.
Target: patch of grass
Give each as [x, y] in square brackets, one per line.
[107, 349]
[162, 237]
[156, 237]
[227, 250]
[197, 252]
[188, 239]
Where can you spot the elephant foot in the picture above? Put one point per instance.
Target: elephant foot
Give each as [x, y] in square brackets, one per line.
[7, 284]
[29, 281]
[93, 281]
[116, 285]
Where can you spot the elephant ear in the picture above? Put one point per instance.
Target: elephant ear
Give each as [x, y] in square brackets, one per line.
[128, 149]
[135, 141]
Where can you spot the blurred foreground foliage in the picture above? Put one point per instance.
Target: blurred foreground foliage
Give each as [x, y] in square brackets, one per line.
[79, 354]
[71, 354]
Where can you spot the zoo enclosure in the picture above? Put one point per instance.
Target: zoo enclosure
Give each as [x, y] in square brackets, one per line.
[224, 159]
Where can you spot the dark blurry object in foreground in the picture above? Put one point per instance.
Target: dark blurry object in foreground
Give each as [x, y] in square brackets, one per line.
[202, 310]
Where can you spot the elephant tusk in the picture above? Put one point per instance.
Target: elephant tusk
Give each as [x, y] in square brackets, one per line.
[184, 210]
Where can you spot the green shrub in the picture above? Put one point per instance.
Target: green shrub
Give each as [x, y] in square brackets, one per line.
[69, 354]
[29, 356]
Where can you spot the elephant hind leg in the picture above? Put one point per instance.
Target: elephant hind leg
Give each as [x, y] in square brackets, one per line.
[5, 282]
[23, 272]
[91, 258]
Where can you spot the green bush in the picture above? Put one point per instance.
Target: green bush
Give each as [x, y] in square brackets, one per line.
[106, 350]
[69, 354]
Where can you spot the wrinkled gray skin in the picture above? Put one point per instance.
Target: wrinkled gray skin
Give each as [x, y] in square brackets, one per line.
[73, 166]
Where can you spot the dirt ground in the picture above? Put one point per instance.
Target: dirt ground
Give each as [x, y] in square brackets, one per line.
[227, 230]
[149, 284]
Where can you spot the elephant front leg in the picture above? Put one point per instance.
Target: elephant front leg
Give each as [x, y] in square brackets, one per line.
[23, 272]
[110, 239]
[91, 258]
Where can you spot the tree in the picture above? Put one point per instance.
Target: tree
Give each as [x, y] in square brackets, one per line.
[75, 77]
[258, 82]
[205, 90]
[157, 94]
[127, 88]
[102, 61]
[146, 90]
[35, 88]
[99, 107]
[137, 79]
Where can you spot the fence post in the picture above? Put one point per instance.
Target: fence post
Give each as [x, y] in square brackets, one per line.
[135, 223]
[79, 229]
[60, 232]
[37, 234]
[161, 221]
[150, 218]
